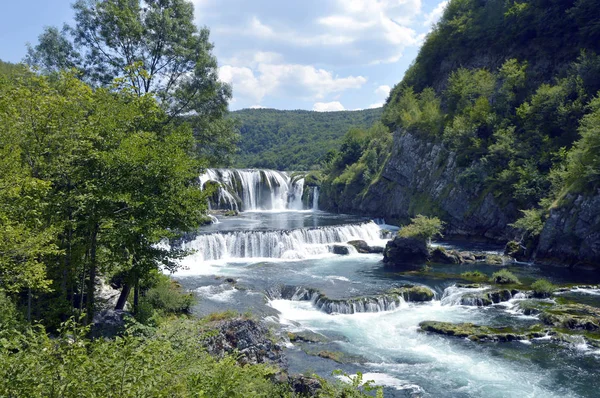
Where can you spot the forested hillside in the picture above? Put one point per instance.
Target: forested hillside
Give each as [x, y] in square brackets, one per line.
[502, 105]
[294, 140]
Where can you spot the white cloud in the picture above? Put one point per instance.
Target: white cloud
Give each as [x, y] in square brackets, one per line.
[434, 16]
[376, 105]
[383, 91]
[258, 107]
[328, 106]
[304, 81]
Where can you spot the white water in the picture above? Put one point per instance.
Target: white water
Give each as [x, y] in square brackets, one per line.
[254, 189]
[445, 368]
[315, 205]
[293, 244]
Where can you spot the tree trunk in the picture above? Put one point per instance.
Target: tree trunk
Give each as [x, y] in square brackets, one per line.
[123, 297]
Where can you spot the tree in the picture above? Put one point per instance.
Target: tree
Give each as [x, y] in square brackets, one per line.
[54, 52]
[92, 181]
[153, 47]
[423, 228]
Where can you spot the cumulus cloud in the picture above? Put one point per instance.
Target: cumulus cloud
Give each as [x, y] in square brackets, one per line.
[277, 79]
[328, 106]
[434, 16]
[383, 91]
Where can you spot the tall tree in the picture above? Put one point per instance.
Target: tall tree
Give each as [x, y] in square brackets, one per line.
[155, 48]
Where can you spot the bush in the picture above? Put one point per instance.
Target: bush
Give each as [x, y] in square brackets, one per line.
[543, 288]
[422, 228]
[168, 296]
[10, 318]
[504, 277]
[474, 275]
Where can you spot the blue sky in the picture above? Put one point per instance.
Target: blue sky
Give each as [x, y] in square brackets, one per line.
[285, 54]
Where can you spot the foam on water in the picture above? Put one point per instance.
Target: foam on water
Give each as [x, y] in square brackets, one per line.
[436, 363]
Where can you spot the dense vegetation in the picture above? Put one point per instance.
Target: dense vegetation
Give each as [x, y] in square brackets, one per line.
[294, 140]
[101, 144]
[512, 88]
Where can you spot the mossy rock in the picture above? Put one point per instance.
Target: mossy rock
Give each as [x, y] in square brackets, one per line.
[413, 293]
[572, 316]
[533, 307]
[481, 333]
[307, 336]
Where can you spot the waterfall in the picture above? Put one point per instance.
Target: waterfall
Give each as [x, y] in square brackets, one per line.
[454, 295]
[253, 189]
[315, 204]
[377, 303]
[287, 244]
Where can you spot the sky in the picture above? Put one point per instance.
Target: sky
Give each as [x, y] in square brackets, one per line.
[322, 55]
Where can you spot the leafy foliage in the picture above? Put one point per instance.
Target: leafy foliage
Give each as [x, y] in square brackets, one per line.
[91, 181]
[150, 47]
[421, 227]
[358, 163]
[294, 140]
[543, 287]
[504, 277]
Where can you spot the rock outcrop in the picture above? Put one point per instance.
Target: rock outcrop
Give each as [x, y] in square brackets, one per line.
[400, 251]
[571, 234]
[363, 247]
[250, 339]
[422, 177]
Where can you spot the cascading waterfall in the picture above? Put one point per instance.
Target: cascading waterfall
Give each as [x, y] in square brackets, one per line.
[292, 244]
[379, 303]
[253, 189]
[315, 204]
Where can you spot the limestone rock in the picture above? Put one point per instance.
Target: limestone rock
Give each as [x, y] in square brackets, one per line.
[405, 251]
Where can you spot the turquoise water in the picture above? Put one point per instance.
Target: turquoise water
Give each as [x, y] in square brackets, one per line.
[388, 346]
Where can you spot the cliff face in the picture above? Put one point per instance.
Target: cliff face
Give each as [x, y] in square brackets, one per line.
[571, 234]
[421, 177]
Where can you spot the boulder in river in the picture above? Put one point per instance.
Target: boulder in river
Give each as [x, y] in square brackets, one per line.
[341, 249]
[481, 333]
[401, 251]
[363, 247]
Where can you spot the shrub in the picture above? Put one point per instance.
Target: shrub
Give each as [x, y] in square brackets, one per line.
[477, 275]
[168, 296]
[543, 288]
[10, 318]
[423, 228]
[504, 277]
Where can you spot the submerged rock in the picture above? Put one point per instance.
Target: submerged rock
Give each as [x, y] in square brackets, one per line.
[401, 251]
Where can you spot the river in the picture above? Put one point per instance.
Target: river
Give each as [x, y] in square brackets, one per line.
[273, 249]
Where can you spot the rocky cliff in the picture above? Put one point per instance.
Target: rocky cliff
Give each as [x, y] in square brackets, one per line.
[422, 177]
[571, 234]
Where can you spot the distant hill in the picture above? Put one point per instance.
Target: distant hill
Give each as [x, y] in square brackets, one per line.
[294, 140]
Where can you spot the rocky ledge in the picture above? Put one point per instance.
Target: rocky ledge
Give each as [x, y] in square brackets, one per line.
[482, 333]
[250, 339]
[414, 252]
[253, 343]
[563, 323]
[386, 301]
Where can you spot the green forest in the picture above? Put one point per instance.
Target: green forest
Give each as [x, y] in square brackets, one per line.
[101, 145]
[293, 140]
[513, 89]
